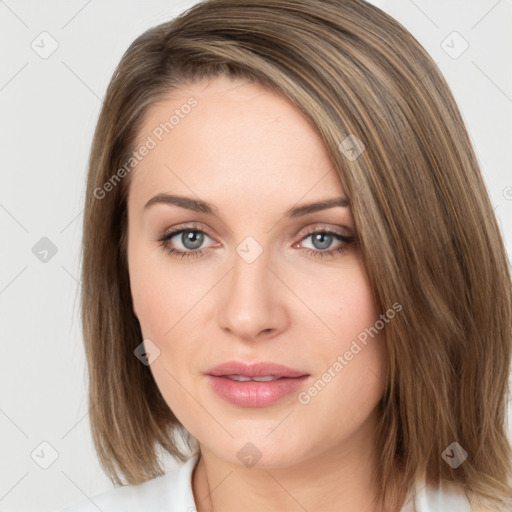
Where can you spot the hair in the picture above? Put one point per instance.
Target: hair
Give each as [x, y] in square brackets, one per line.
[426, 227]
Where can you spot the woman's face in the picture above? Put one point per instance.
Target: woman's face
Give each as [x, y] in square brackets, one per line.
[250, 283]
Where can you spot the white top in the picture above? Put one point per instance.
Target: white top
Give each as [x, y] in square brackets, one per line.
[172, 492]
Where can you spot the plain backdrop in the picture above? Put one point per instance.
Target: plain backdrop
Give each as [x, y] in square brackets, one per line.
[49, 107]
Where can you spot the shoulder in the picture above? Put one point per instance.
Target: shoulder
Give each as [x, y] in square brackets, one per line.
[169, 492]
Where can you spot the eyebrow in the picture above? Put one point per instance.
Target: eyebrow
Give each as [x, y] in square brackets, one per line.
[199, 206]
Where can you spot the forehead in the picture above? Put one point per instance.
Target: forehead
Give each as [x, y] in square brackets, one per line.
[230, 139]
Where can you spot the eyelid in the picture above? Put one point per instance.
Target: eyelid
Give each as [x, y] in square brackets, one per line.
[310, 229]
[192, 226]
[346, 240]
[329, 228]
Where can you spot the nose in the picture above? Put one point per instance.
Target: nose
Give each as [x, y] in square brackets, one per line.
[252, 303]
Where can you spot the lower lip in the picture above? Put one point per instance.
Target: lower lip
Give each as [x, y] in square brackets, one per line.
[253, 393]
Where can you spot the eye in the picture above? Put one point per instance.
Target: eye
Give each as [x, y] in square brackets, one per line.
[191, 239]
[322, 239]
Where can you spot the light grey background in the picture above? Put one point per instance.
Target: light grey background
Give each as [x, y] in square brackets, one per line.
[49, 107]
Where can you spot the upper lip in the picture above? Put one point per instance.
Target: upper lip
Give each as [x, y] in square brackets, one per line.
[258, 369]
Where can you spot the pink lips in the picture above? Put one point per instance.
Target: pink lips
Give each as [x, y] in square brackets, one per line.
[254, 393]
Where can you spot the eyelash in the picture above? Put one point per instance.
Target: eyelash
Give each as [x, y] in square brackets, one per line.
[345, 242]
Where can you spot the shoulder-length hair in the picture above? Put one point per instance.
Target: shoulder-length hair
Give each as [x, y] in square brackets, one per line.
[427, 230]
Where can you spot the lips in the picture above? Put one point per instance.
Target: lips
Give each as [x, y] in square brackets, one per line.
[254, 385]
[261, 369]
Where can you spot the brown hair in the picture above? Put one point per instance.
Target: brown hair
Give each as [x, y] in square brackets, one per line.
[428, 233]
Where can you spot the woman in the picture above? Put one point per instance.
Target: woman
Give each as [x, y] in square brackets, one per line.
[293, 279]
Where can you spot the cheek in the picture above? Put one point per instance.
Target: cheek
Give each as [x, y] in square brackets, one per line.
[160, 296]
[164, 302]
[150, 304]
[352, 358]
[342, 301]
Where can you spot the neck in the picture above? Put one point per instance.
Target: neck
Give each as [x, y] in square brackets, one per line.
[341, 479]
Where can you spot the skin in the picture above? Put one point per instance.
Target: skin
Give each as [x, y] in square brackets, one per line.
[253, 155]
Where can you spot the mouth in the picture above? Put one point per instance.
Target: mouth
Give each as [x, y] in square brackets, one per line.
[254, 370]
[244, 378]
[254, 385]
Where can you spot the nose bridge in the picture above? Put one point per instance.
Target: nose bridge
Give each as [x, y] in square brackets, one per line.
[250, 302]
[250, 270]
